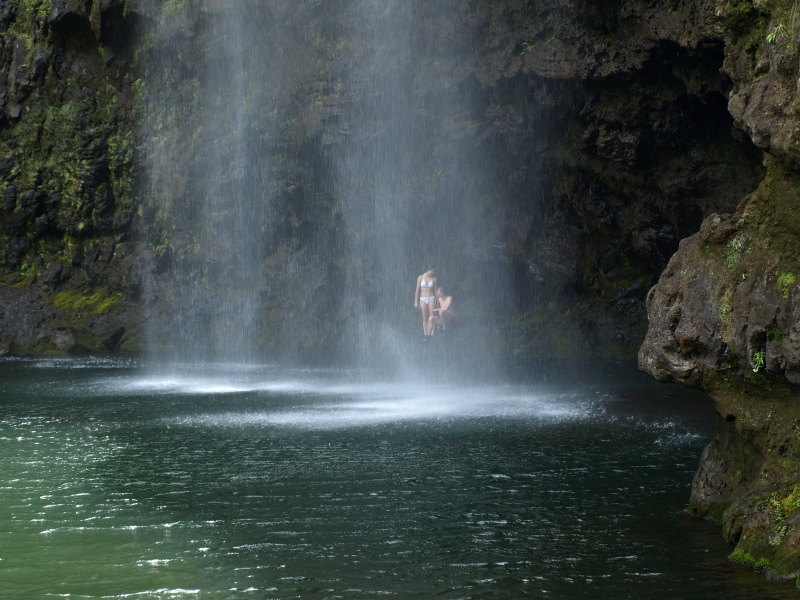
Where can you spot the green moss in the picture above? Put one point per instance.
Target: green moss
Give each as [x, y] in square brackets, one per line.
[95, 303]
[87, 343]
[724, 311]
[772, 558]
[734, 250]
[716, 511]
[71, 300]
[746, 559]
[785, 282]
[713, 512]
[27, 274]
[107, 304]
[791, 503]
[132, 344]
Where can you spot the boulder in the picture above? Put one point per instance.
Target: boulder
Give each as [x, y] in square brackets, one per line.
[64, 339]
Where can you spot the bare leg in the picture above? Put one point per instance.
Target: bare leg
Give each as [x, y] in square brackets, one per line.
[432, 324]
[426, 313]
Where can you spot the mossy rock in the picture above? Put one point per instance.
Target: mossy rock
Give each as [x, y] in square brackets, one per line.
[97, 303]
[132, 344]
[776, 562]
[55, 353]
[713, 512]
[86, 343]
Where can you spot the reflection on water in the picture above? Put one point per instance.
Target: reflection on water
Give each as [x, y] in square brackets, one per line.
[263, 482]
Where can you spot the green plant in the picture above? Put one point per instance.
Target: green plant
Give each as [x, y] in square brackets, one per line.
[758, 361]
[777, 535]
[734, 250]
[776, 34]
[785, 282]
[27, 269]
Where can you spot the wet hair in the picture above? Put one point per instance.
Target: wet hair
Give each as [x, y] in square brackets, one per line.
[430, 268]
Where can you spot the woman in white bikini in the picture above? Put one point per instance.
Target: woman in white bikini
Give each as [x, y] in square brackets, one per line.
[425, 297]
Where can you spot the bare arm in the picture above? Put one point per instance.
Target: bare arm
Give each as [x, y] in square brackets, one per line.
[416, 294]
[445, 303]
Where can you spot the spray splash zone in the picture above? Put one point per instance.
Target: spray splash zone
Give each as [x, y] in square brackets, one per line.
[324, 399]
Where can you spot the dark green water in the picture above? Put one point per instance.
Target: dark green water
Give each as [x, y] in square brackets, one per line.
[225, 482]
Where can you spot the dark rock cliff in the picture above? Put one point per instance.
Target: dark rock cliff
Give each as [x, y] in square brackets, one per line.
[724, 318]
[70, 260]
[724, 314]
[600, 129]
[606, 133]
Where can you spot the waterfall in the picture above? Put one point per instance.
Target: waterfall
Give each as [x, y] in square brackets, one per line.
[208, 150]
[306, 162]
[400, 173]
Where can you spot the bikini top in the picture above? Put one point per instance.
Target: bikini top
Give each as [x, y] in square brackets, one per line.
[426, 285]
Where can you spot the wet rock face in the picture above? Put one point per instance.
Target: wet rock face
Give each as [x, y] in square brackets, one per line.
[728, 300]
[763, 64]
[724, 318]
[67, 170]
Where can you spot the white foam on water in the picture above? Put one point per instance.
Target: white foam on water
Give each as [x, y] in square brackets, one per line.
[77, 363]
[214, 386]
[278, 397]
[170, 592]
[337, 406]
[323, 399]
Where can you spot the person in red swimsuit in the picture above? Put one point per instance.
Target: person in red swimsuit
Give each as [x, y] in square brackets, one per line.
[445, 316]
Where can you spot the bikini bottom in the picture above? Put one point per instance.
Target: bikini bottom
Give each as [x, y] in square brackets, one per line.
[428, 299]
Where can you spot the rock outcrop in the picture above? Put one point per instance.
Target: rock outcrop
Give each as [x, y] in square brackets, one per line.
[725, 318]
[70, 259]
[724, 315]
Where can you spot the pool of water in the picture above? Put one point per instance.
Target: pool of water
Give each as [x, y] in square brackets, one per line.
[222, 481]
